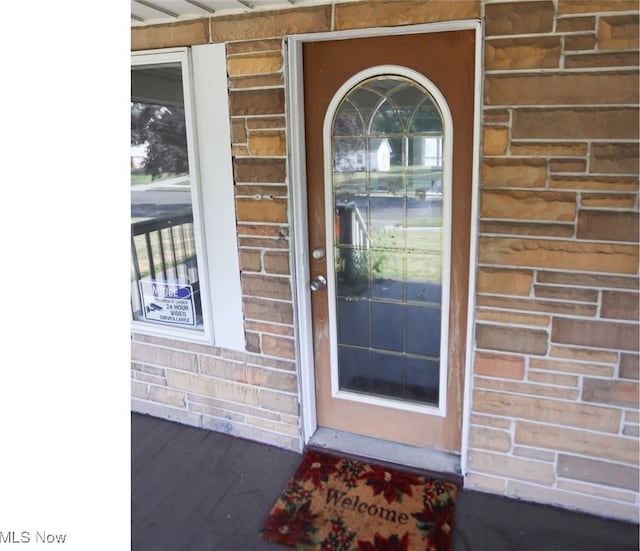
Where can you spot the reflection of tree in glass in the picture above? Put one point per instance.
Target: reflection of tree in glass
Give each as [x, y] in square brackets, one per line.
[163, 129]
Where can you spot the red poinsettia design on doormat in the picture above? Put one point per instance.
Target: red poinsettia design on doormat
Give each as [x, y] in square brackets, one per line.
[291, 525]
[317, 468]
[392, 484]
[393, 543]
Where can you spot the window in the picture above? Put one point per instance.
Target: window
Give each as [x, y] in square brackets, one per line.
[185, 280]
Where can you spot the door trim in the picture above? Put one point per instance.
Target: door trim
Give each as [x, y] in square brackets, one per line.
[296, 155]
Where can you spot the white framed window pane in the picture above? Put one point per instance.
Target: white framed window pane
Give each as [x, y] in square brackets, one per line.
[165, 275]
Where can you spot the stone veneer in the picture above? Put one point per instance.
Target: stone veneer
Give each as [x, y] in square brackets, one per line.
[554, 405]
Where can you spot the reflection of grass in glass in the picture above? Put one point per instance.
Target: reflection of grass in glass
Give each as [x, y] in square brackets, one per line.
[419, 179]
[423, 254]
[184, 251]
[138, 177]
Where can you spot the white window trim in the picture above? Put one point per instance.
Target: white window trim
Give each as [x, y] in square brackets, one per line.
[211, 171]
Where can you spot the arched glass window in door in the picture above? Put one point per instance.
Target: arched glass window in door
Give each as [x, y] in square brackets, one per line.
[387, 160]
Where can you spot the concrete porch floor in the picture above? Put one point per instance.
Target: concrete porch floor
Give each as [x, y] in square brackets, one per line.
[197, 490]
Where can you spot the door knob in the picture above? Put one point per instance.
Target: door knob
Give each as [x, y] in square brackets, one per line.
[318, 282]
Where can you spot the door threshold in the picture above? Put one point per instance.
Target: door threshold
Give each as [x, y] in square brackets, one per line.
[402, 455]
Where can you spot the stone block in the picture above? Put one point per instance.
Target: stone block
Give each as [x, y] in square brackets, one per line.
[605, 225]
[489, 421]
[575, 123]
[552, 378]
[268, 310]
[213, 387]
[536, 305]
[618, 32]
[546, 410]
[489, 439]
[559, 254]
[511, 339]
[249, 46]
[566, 293]
[566, 366]
[384, 13]
[549, 149]
[522, 53]
[499, 365]
[609, 200]
[276, 262]
[266, 123]
[164, 357]
[573, 24]
[598, 472]
[266, 286]
[494, 485]
[495, 116]
[269, 378]
[278, 401]
[534, 453]
[260, 170]
[586, 280]
[271, 24]
[511, 467]
[238, 131]
[596, 334]
[167, 396]
[278, 346]
[615, 393]
[495, 140]
[536, 229]
[272, 328]
[184, 33]
[619, 158]
[268, 143]
[567, 165]
[256, 81]
[629, 366]
[595, 6]
[601, 59]
[513, 318]
[561, 89]
[504, 281]
[267, 211]
[528, 389]
[585, 41]
[620, 305]
[250, 261]
[519, 18]
[528, 205]
[254, 64]
[514, 172]
[586, 443]
[595, 183]
[257, 102]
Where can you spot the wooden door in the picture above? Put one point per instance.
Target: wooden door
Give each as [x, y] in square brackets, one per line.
[389, 138]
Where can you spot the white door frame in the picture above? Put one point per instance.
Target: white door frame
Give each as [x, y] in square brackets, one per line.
[298, 211]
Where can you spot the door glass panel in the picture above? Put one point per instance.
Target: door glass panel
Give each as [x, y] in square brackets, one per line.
[387, 147]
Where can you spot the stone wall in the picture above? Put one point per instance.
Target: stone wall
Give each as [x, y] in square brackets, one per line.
[555, 399]
[555, 370]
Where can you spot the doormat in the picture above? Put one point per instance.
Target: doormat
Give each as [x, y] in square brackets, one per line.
[338, 504]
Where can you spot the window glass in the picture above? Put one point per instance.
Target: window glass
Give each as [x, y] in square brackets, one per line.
[388, 245]
[165, 280]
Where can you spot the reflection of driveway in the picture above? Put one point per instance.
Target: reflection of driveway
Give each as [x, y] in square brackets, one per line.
[389, 210]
